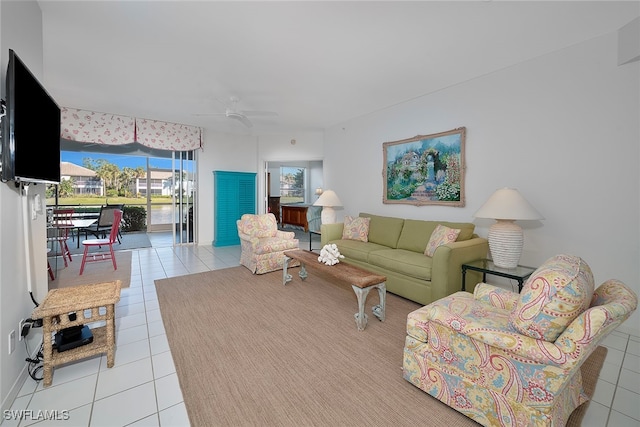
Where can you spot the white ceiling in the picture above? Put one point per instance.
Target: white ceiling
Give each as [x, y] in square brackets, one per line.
[316, 64]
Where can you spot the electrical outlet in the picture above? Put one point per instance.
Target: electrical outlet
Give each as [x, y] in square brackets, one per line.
[20, 329]
[12, 341]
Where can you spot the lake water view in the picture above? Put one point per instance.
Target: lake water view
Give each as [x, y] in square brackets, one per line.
[161, 214]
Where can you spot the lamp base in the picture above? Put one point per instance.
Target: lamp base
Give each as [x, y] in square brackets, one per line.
[505, 243]
[328, 215]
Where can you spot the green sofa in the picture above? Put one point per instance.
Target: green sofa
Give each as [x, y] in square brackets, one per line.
[395, 248]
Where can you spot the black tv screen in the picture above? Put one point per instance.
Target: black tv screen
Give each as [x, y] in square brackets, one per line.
[31, 134]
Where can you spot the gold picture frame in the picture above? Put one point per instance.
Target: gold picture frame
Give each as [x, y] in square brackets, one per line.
[425, 169]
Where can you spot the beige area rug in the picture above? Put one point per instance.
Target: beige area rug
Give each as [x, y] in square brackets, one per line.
[250, 351]
[94, 272]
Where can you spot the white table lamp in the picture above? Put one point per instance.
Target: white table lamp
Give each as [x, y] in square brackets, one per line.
[506, 238]
[328, 200]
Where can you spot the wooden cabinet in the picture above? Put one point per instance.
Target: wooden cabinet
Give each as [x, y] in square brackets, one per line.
[274, 207]
[235, 195]
[295, 215]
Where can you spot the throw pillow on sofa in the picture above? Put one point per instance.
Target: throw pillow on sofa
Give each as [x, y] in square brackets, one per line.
[356, 228]
[440, 236]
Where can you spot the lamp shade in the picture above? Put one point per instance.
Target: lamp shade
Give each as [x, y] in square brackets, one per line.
[506, 238]
[328, 200]
[508, 203]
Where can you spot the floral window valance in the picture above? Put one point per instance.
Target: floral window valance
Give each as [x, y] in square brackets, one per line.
[167, 136]
[97, 128]
[111, 129]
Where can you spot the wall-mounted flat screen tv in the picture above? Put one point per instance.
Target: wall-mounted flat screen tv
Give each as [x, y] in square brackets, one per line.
[31, 131]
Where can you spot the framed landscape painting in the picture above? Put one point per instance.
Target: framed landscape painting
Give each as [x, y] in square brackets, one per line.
[425, 170]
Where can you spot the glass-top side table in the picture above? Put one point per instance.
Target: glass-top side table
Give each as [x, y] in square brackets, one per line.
[311, 233]
[486, 266]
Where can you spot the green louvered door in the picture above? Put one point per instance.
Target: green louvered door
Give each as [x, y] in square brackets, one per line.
[234, 195]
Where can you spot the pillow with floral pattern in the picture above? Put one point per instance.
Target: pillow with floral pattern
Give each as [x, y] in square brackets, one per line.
[356, 228]
[440, 236]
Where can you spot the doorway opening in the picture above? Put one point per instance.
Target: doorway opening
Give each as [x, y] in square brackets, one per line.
[292, 186]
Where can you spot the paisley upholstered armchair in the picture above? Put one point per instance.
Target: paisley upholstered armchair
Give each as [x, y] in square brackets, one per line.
[262, 244]
[508, 359]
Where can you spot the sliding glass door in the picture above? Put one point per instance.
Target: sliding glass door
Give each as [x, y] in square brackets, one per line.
[161, 182]
[184, 199]
[171, 196]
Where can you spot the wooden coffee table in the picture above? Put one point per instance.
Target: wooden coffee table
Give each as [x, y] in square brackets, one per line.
[362, 281]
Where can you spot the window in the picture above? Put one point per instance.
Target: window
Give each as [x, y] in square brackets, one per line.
[292, 184]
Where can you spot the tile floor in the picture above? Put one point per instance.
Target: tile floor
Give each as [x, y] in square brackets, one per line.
[142, 388]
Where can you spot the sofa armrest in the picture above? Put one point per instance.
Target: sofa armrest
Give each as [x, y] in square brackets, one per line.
[330, 232]
[495, 296]
[446, 269]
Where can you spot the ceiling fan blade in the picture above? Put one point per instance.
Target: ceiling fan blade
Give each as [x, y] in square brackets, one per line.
[257, 113]
[240, 117]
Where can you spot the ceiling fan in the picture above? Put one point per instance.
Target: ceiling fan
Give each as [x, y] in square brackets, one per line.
[233, 112]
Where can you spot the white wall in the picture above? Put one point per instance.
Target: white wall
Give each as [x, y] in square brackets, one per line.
[220, 152]
[316, 179]
[563, 129]
[629, 42]
[21, 30]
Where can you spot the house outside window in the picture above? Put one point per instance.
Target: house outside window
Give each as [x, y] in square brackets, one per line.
[160, 182]
[84, 181]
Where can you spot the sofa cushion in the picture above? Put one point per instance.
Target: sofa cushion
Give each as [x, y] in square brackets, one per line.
[402, 261]
[553, 296]
[466, 229]
[442, 235]
[384, 230]
[355, 249]
[356, 228]
[416, 233]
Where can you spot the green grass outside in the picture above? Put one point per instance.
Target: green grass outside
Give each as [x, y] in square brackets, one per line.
[286, 199]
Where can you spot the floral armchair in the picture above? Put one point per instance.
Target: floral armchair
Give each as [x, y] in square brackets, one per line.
[262, 244]
[503, 358]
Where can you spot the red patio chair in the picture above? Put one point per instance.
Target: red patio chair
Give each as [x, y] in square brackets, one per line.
[103, 256]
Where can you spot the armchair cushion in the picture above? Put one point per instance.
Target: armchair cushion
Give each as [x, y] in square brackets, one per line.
[555, 294]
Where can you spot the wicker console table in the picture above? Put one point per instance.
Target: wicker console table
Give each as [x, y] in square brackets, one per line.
[361, 281]
[75, 306]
